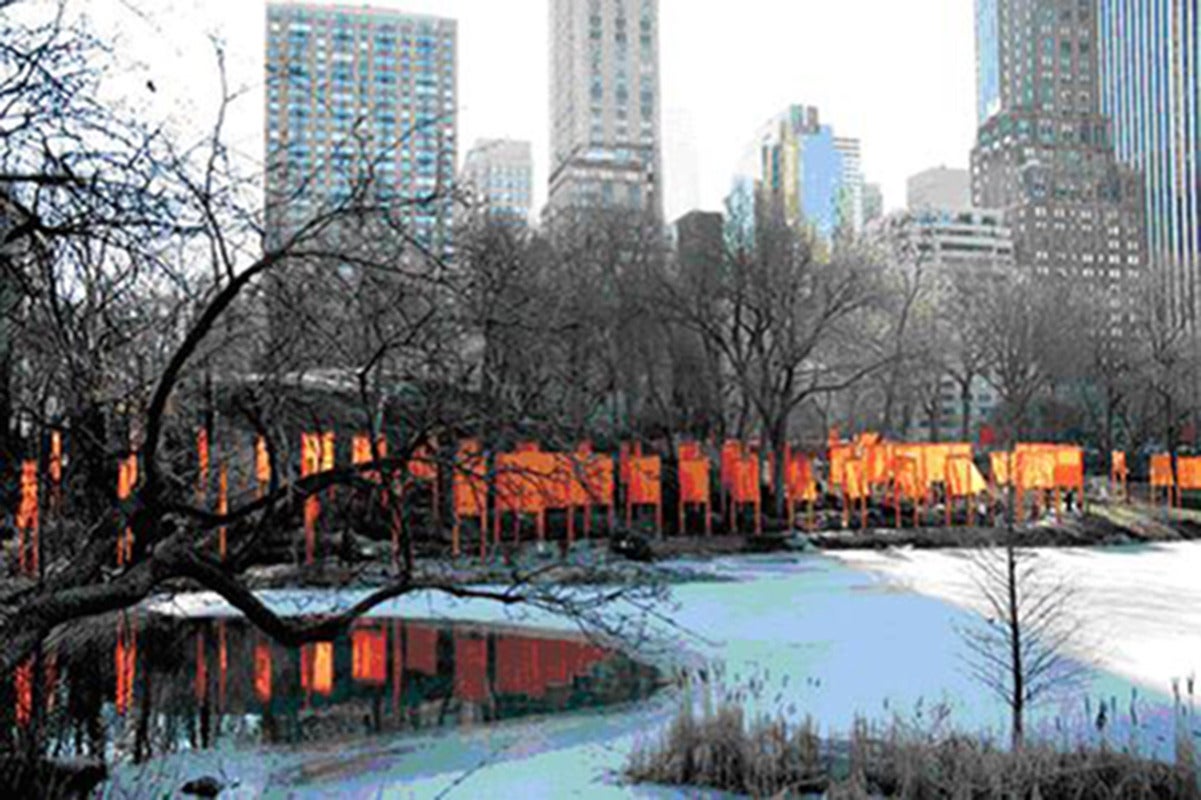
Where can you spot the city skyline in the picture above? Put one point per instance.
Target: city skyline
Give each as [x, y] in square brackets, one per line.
[913, 111]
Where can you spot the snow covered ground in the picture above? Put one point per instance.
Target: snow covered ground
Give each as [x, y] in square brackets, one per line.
[1140, 606]
[868, 633]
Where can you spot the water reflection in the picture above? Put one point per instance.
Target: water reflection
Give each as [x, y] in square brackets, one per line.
[155, 685]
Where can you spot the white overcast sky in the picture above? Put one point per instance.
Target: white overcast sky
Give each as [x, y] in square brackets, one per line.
[897, 74]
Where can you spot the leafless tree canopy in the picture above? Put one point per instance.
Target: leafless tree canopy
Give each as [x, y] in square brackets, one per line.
[1022, 650]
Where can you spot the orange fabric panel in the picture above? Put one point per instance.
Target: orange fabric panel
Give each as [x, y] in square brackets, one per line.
[423, 466]
[509, 483]
[327, 451]
[798, 477]
[626, 452]
[310, 454]
[262, 461]
[877, 460]
[202, 455]
[548, 477]
[908, 478]
[865, 440]
[855, 477]
[912, 454]
[598, 475]
[694, 481]
[1188, 473]
[470, 488]
[1035, 469]
[935, 457]
[1069, 467]
[361, 452]
[746, 479]
[577, 466]
[1161, 471]
[369, 655]
[1118, 463]
[998, 465]
[689, 451]
[963, 479]
[521, 481]
[645, 488]
[560, 489]
[731, 454]
[55, 467]
[839, 456]
[540, 488]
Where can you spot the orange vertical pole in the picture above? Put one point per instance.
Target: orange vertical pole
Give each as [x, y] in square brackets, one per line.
[222, 507]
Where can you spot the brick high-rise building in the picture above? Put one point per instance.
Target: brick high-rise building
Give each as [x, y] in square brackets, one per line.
[1044, 151]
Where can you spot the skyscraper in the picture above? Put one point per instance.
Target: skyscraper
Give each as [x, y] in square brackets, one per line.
[358, 90]
[803, 172]
[605, 106]
[498, 174]
[1151, 90]
[852, 182]
[1043, 152]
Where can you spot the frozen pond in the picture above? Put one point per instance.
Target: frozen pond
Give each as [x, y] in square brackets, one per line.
[870, 634]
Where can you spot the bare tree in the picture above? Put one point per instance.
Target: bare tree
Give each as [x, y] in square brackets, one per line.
[1021, 651]
[789, 326]
[148, 291]
[1017, 326]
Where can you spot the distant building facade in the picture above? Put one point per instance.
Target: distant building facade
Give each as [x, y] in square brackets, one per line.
[971, 246]
[352, 89]
[941, 187]
[1043, 152]
[873, 203]
[1150, 73]
[799, 169]
[606, 150]
[498, 181]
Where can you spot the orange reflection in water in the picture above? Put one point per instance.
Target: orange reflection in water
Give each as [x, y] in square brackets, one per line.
[125, 660]
[317, 667]
[471, 669]
[421, 649]
[23, 682]
[201, 667]
[262, 672]
[369, 655]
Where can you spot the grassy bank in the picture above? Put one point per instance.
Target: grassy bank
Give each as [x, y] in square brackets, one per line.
[718, 747]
